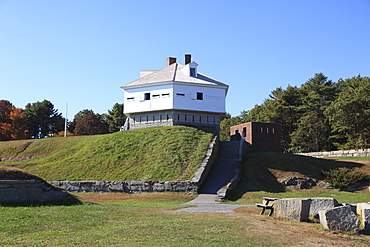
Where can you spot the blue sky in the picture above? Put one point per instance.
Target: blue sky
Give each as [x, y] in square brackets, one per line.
[82, 51]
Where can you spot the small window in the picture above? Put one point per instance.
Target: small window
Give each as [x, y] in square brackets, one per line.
[131, 99]
[146, 96]
[180, 95]
[199, 96]
[155, 96]
[164, 95]
[192, 72]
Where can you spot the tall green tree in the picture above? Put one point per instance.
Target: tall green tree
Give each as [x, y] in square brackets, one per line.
[115, 118]
[313, 130]
[5, 109]
[42, 119]
[349, 114]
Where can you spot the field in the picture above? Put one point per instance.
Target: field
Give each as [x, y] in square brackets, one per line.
[166, 153]
[151, 220]
[119, 219]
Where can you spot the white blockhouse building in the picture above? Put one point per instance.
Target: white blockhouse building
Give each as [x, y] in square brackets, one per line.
[175, 95]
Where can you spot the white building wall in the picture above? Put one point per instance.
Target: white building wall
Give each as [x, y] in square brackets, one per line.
[161, 98]
[185, 98]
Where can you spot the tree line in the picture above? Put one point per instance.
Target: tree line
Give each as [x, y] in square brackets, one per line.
[320, 115]
[40, 119]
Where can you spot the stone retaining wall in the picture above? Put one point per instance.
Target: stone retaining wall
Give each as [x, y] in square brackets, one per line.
[128, 187]
[19, 192]
[358, 152]
[147, 186]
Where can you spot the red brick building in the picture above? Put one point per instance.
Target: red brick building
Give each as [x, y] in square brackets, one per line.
[261, 136]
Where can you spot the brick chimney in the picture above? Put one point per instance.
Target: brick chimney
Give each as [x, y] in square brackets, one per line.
[171, 60]
[187, 59]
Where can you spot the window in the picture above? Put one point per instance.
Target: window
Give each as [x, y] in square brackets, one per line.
[180, 95]
[131, 99]
[164, 95]
[199, 96]
[192, 72]
[155, 96]
[146, 96]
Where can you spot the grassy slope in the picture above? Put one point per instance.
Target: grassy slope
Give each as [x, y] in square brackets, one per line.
[168, 153]
[260, 172]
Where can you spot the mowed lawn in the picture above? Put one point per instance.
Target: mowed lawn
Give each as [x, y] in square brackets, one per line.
[151, 220]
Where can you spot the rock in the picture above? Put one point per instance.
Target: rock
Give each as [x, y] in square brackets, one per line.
[300, 183]
[363, 210]
[339, 219]
[292, 208]
[321, 203]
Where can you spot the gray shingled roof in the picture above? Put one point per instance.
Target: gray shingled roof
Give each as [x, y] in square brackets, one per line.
[173, 73]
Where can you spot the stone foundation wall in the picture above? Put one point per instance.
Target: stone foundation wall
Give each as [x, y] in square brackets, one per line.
[30, 191]
[128, 187]
[173, 117]
[358, 152]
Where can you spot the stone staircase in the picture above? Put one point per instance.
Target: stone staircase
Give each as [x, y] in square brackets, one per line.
[228, 150]
[224, 168]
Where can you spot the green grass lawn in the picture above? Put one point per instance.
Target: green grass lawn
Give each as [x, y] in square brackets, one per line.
[151, 220]
[165, 153]
[121, 223]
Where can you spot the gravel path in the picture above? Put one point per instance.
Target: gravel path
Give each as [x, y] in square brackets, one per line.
[206, 203]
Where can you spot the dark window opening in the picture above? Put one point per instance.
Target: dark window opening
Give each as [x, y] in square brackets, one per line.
[192, 72]
[146, 96]
[199, 96]
[180, 95]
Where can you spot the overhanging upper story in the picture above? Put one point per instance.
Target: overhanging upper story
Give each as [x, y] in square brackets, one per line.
[178, 87]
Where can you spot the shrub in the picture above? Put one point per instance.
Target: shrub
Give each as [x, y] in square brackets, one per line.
[342, 177]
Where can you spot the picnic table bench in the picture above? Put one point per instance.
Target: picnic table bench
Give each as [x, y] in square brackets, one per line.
[266, 205]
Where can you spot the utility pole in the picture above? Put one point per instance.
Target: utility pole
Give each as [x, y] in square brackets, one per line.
[65, 121]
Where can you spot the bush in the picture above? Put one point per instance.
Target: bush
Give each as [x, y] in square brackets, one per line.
[342, 177]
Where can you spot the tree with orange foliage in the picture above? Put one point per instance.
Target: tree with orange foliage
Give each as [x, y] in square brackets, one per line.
[15, 128]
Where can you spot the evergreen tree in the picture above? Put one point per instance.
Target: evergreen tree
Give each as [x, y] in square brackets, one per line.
[42, 119]
[115, 118]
